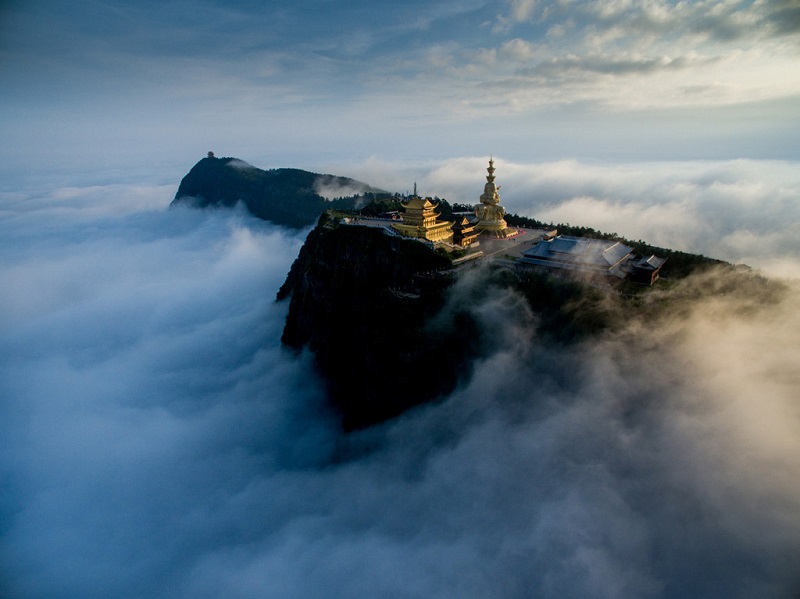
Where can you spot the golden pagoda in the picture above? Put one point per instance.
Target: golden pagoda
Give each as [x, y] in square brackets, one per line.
[489, 212]
[420, 220]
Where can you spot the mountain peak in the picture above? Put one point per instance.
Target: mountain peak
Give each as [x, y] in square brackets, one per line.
[285, 196]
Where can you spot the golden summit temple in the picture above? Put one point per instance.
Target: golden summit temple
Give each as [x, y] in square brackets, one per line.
[530, 248]
[421, 221]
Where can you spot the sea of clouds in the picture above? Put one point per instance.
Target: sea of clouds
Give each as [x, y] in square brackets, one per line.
[159, 442]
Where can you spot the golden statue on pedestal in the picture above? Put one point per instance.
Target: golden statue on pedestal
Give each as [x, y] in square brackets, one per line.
[489, 212]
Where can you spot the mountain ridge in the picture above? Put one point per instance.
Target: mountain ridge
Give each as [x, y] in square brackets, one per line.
[285, 196]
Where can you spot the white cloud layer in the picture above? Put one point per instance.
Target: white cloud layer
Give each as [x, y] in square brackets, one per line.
[160, 443]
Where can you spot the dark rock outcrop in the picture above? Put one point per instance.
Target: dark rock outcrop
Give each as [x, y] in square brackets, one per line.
[363, 302]
[284, 196]
[391, 325]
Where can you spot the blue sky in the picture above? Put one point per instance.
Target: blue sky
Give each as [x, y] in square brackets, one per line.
[110, 84]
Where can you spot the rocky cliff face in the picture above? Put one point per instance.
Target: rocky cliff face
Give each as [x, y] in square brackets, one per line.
[391, 326]
[363, 302]
[286, 196]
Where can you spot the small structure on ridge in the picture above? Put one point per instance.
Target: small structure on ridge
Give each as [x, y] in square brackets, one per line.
[580, 254]
[646, 270]
[464, 232]
[593, 256]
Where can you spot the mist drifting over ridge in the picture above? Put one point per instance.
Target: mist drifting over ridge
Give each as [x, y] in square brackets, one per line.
[162, 443]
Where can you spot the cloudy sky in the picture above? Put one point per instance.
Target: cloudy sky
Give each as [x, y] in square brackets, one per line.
[158, 441]
[113, 83]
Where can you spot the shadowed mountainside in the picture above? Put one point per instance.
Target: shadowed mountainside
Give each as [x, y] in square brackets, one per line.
[284, 196]
[392, 325]
[364, 302]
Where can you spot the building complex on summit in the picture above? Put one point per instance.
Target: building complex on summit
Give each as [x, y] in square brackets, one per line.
[420, 219]
[532, 248]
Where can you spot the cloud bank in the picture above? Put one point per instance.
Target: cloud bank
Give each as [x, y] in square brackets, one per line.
[159, 442]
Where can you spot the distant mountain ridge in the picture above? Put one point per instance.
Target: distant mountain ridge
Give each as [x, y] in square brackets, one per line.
[285, 196]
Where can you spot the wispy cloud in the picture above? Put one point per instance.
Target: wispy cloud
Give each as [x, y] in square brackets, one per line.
[658, 46]
[330, 188]
[616, 65]
[353, 51]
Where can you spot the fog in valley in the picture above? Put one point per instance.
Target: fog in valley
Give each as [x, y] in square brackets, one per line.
[159, 441]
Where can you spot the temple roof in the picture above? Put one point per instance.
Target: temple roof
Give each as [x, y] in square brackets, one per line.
[651, 263]
[464, 223]
[579, 252]
[419, 203]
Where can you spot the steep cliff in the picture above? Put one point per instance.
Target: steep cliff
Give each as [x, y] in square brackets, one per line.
[362, 301]
[391, 325]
